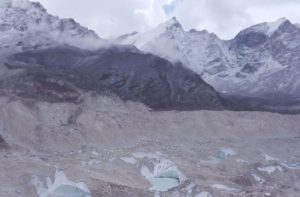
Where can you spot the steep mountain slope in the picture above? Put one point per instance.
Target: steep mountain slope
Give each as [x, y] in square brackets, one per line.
[268, 57]
[197, 50]
[64, 73]
[260, 61]
[27, 25]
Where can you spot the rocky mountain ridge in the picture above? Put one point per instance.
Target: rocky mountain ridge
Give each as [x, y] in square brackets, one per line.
[260, 61]
[26, 25]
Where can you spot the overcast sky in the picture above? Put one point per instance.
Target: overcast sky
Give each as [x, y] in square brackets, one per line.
[110, 18]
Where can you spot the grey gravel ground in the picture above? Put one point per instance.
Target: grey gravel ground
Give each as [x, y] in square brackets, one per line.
[222, 153]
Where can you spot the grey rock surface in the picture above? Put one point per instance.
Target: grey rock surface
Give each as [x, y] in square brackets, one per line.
[59, 74]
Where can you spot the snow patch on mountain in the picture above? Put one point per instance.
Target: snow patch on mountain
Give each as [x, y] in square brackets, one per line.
[273, 26]
[268, 28]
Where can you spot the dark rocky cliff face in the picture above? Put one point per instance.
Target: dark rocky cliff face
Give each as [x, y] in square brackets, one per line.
[64, 73]
[3, 143]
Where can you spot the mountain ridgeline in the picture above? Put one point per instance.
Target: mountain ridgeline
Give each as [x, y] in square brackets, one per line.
[64, 73]
[260, 61]
[47, 58]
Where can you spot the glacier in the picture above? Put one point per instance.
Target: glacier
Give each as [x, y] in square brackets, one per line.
[61, 187]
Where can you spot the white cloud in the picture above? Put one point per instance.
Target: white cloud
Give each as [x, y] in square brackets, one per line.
[224, 17]
[110, 17]
[227, 17]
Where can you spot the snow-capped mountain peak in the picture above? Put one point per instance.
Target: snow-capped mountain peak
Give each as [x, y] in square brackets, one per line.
[260, 60]
[196, 49]
[27, 25]
[267, 28]
[171, 23]
[274, 26]
[140, 40]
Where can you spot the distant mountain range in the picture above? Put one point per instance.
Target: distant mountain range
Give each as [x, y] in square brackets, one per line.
[55, 59]
[260, 61]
